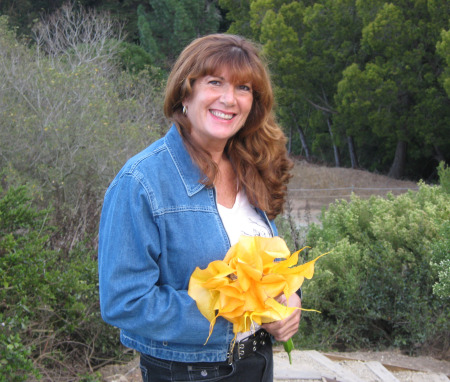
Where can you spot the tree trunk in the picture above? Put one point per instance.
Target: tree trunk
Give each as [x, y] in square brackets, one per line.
[337, 156]
[304, 143]
[438, 153]
[398, 165]
[352, 151]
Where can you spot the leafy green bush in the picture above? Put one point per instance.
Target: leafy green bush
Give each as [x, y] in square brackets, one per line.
[444, 177]
[134, 58]
[376, 287]
[441, 248]
[49, 303]
[440, 262]
[24, 260]
[15, 361]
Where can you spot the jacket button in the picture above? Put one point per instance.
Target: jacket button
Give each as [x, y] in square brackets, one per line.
[165, 343]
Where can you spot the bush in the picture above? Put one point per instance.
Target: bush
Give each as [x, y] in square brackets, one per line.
[49, 303]
[441, 248]
[74, 118]
[24, 260]
[444, 177]
[377, 287]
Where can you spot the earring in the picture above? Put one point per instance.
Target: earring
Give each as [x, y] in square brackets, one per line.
[184, 110]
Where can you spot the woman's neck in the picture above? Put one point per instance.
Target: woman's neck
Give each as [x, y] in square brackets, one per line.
[225, 182]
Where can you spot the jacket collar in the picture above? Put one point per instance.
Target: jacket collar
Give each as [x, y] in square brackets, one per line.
[189, 172]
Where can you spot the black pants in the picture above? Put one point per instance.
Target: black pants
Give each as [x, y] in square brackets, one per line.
[257, 367]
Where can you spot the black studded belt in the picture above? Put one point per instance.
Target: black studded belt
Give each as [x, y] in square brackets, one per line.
[248, 346]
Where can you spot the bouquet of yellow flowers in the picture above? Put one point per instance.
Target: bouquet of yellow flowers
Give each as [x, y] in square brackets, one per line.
[243, 286]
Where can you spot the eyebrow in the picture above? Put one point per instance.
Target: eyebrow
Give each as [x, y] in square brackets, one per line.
[223, 79]
[216, 76]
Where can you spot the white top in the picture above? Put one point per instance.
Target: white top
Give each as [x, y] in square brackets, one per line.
[243, 219]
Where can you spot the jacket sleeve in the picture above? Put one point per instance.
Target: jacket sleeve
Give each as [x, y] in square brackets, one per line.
[131, 296]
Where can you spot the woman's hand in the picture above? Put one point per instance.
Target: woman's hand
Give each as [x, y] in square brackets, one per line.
[285, 329]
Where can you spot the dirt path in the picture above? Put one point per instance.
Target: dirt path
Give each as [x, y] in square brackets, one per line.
[396, 358]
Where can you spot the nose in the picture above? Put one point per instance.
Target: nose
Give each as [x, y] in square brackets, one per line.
[228, 97]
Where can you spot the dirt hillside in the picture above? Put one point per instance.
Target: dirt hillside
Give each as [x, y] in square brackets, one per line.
[313, 187]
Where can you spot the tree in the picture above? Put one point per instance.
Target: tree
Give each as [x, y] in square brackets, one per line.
[171, 25]
[23, 13]
[79, 36]
[398, 122]
[74, 121]
[354, 110]
[238, 14]
[310, 46]
[409, 112]
[443, 49]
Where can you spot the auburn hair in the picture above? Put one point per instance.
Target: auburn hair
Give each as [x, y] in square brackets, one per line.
[258, 150]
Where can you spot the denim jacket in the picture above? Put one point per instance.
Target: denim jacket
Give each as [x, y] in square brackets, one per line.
[158, 224]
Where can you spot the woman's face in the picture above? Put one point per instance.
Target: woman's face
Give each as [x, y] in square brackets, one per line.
[217, 109]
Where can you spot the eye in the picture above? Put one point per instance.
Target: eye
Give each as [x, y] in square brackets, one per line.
[246, 88]
[214, 82]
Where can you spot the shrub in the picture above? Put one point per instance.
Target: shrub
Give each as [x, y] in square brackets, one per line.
[444, 177]
[441, 248]
[49, 303]
[376, 287]
[74, 118]
[24, 260]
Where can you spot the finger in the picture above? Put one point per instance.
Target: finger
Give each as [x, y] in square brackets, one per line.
[281, 299]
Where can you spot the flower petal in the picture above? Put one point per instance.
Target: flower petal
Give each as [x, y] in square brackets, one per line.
[242, 288]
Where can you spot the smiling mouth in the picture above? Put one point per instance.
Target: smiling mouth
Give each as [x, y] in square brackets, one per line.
[222, 115]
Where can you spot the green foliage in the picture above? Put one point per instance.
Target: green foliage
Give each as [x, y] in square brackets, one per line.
[443, 49]
[440, 262]
[15, 361]
[23, 13]
[387, 97]
[172, 24]
[74, 118]
[49, 301]
[134, 58]
[385, 283]
[346, 73]
[444, 177]
[24, 260]
[73, 123]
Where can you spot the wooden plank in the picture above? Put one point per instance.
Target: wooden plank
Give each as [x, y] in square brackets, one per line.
[380, 371]
[283, 370]
[336, 369]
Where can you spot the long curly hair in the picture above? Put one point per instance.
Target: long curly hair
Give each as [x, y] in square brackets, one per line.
[258, 150]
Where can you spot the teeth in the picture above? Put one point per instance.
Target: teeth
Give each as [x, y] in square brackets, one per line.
[221, 115]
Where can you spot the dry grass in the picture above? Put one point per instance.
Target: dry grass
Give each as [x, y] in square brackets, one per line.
[313, 187]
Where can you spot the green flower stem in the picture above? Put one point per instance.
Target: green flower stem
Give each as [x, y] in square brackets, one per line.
[289, 346]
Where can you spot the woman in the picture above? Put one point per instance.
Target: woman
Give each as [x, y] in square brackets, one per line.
[220, 171]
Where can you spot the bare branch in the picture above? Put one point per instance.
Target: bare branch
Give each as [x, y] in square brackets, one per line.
[78, 35]
[322, 108]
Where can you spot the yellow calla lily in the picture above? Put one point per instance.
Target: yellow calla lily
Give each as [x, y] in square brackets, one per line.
[243, 286]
